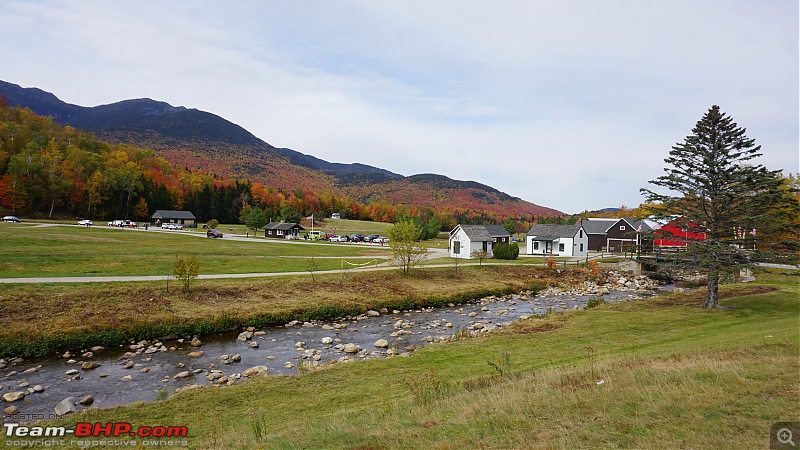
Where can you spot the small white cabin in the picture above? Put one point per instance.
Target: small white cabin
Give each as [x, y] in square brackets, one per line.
[557, 240]
[467, 240]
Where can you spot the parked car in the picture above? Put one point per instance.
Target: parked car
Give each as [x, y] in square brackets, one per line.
[381, 240]
[85, 222]
[116, 223]
[337, 238]
[214, 234]
[371, 237]
[10, 219]
[356, 238]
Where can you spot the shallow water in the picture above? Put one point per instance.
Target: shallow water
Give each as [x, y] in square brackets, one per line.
[278, 343]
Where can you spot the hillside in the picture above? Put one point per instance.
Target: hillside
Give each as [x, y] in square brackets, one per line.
[201, 140]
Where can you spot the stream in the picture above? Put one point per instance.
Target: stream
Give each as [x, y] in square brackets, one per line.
[147, 371]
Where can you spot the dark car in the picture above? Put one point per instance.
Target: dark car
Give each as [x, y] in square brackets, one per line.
[371, 237]
[214, 233]
[11, 219]
[356, 238]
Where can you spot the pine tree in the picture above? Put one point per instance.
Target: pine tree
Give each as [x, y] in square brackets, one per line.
[740, 206]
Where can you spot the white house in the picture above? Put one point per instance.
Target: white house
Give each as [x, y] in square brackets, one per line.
[467, 239]
[557, 240]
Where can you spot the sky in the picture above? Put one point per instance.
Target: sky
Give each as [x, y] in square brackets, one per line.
[568, 104]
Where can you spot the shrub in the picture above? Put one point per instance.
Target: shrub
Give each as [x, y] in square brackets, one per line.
[506, 251]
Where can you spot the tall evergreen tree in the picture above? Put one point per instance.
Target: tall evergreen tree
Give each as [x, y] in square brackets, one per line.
[715, 188]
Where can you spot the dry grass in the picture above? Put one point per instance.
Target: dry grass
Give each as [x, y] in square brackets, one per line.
[33, 312]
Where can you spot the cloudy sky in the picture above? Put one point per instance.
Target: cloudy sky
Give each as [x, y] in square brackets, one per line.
[569, 104]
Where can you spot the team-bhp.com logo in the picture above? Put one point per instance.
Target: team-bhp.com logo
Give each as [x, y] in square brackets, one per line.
[86, 430]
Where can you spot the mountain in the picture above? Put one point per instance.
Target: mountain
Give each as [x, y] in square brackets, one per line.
[201, 140]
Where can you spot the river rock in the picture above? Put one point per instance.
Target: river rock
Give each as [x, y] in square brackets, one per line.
[326, 340]
[196, 342]
[351, 348]
[382, 343]
[197, 354]
[184, 374]
[89, 365]
[24, 384]
[253, 344]
[128, 365]
[38, 388]
[11, 410]
[244, 335]
[71, 371]
[66, 406]
[255, 371]
[86, 401]
[144, 370]
[13, 396]
[236, 358]
[127, 378]
[373, 313]
[30, 370]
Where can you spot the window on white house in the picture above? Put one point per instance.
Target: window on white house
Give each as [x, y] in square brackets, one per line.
[560, 247]
[456, 247]
[581, 247]
[580, 233]
[536, 245]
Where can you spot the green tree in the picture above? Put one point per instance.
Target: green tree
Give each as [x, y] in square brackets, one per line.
[405, 249]
[290, 215]
[213, 224]
[256, 219]
[510, 225]
[186, 269]
[714, 188]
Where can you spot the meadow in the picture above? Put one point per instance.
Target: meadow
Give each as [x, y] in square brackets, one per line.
[28, 250]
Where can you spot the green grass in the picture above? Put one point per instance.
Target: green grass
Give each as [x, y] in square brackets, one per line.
[57, 251]
[674, 376]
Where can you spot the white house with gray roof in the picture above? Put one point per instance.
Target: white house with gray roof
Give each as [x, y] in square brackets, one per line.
[466, 240]
[557, 240]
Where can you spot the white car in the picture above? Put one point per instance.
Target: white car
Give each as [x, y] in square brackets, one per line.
[85, 222]
[10, 219]
[337, 238]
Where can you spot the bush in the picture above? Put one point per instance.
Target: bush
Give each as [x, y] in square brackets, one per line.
[506, 251]
[213, 224]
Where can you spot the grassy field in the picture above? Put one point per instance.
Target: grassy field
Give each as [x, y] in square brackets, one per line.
[658, 373]
[55, 251]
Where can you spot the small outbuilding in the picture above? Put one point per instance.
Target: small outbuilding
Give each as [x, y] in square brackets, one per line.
[282, 230]
[164, 216]
[557, 240]
[466, 240]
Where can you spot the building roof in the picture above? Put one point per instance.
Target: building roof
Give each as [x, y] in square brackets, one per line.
[168, 214]
[497, 231]
[551, 232]
[282, 226]
[475, 232]
[597, 225]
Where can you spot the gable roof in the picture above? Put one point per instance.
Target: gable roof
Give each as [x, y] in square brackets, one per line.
[282, 226]
[551, 232]
[169, 214]
[497, 231]
[598, 225]
[475, 232]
